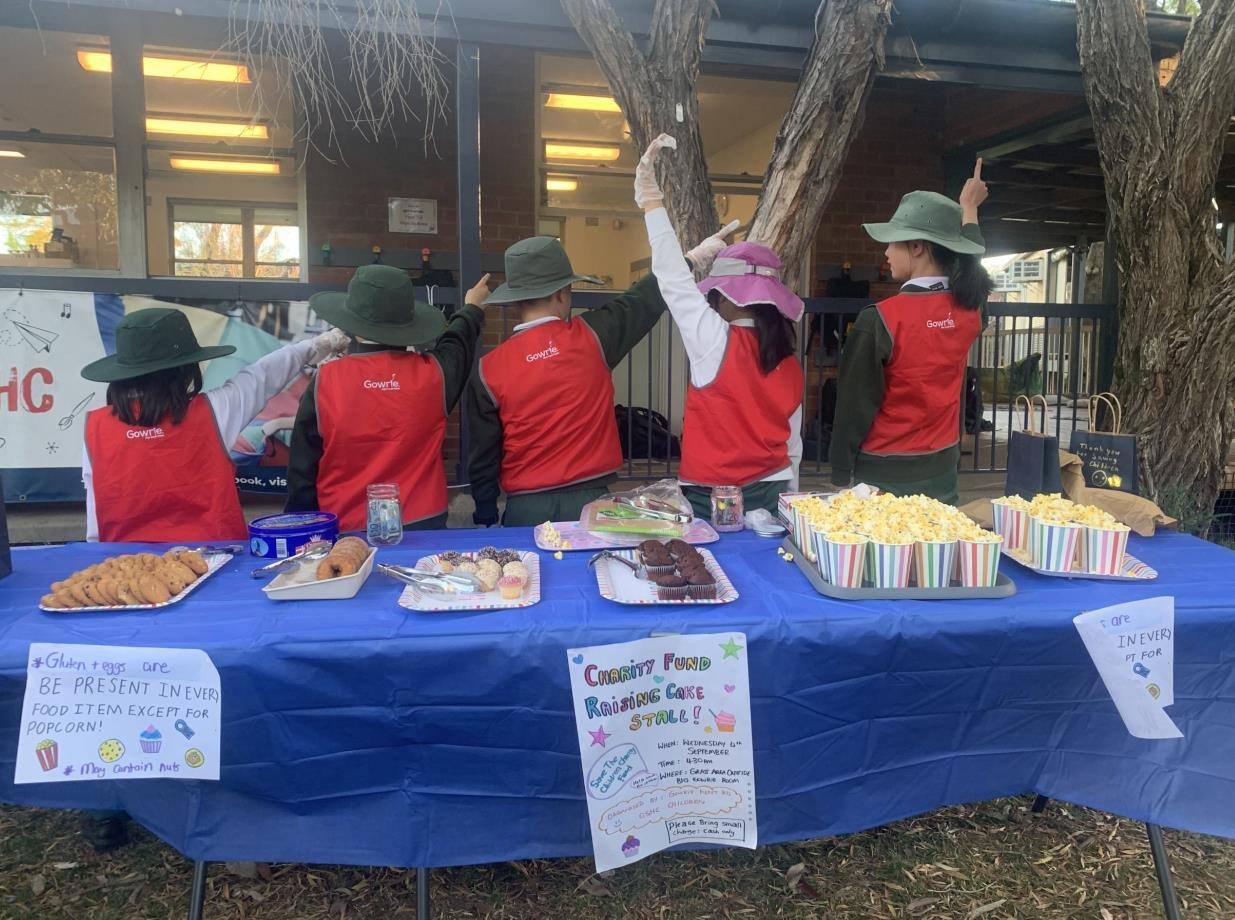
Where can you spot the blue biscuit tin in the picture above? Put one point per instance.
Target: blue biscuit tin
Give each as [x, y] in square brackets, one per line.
[278, 536]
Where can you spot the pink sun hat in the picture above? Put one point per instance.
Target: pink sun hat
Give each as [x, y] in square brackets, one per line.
[749, 273]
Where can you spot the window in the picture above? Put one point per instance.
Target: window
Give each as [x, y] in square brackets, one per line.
[227, 240]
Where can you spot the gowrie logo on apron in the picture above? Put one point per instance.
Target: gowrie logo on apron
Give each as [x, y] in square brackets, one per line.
[391, 384]
[549, 352]
[144, 434]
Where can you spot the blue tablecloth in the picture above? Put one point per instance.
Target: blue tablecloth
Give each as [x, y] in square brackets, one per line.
[357, 732]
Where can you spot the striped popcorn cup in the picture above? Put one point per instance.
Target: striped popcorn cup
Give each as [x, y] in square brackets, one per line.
[978, 562]
[1052, 546]
[802, 534]
[821, 553]
[846, 560]
[1010, 523]
[889, 565]
[1102, 550]
[934, 560]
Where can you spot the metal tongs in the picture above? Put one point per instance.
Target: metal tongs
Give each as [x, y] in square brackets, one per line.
[311, 553]
[639, 570]
[434, 582]
[653, 508]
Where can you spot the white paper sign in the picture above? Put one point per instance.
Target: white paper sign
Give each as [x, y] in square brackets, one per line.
[46, 337]
[664, 734]
[96, 712]
[1133, 647]
[412, 215]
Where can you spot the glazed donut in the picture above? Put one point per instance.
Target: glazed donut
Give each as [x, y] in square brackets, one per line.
[355, 546]
[336, 565]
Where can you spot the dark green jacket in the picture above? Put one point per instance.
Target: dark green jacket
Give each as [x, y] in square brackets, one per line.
[859, 395]
[619, 325]
[454, 353]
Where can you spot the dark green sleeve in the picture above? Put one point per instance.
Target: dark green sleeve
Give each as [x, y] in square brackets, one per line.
[306, 454]
[859, 391]
[484, 432]
[973, 233]
[623, 322]
[456, 350]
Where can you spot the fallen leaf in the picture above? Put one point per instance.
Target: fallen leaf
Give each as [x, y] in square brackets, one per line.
[594, 886]
[794, 874]
[987, 908]
[920, 904]
[1106, 914]
[65, 865]
[38, 885]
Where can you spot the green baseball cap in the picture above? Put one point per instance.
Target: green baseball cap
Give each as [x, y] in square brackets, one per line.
[380, 305]
[535, 268]
[926, 216]
[152, 340]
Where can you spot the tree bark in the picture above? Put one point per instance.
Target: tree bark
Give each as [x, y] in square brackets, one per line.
[649, 88]
[826, 114]
[1160, 148]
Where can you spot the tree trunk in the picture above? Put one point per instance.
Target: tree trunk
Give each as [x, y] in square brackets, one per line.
[649, 88]
[815, 135]
[1160, 149]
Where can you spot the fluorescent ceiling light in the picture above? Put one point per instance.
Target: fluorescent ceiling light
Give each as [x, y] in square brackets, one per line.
[176, 68]
[587, 103]
[557, 150]
[205, 164]
[156, 124]
[561, 184]
[13, 154]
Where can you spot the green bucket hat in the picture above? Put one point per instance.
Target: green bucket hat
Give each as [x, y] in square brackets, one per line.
[152, 340]
[535, 268]
[380, 305]
[926, 216]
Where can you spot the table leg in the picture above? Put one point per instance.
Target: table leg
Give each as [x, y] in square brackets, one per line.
[1039, 804]
[197, 900]
[422, 894]
[1170, 904]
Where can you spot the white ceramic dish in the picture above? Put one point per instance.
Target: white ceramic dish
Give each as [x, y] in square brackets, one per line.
[214, 562]
[414, 599]
[300, 585]
[618, 583]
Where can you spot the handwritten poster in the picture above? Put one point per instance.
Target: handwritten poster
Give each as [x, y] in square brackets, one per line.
[46, 337]
[664, 734]
[1133, 647]
[411, 215]
[94, 712]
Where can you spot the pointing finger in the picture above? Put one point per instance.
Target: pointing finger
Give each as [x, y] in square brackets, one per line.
[977, 169]
[729, 227]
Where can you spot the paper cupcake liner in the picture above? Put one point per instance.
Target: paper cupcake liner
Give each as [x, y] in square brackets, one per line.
[846, 562]
[1102, 551]
[1053, 546]
[889, 565]
[978, 563]
[933, 559]
[150, 747]
[1012, 524]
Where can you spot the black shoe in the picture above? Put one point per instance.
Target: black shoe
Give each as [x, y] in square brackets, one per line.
[106, 834]
[988, 425]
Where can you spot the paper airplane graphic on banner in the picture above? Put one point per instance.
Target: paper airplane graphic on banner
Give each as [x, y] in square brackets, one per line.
[36, 338]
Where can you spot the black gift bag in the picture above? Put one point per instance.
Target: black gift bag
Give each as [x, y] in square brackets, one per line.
[1108, 458]
[1033, 457]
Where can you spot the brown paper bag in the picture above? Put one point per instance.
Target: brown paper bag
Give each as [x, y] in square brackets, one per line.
[1139, 513]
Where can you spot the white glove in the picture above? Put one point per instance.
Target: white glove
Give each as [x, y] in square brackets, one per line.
[702, 256]
[647, 189]
[329, 343]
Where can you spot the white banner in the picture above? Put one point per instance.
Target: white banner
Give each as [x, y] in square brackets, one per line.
[665, 738]
[95, 712]
[46, 338]
[1133, 647]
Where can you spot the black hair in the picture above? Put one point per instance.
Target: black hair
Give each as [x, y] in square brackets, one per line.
[777, 339]
[150, 398]
[968, 280]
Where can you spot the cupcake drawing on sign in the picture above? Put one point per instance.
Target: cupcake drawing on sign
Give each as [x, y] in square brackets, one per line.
[151, 740]
[48, 753]
[630, 847]
[725, 721]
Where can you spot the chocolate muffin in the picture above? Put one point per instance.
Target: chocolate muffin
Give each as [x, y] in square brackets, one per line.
[651, 546]
[701, 586]
[671, 587]
[677, 547]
